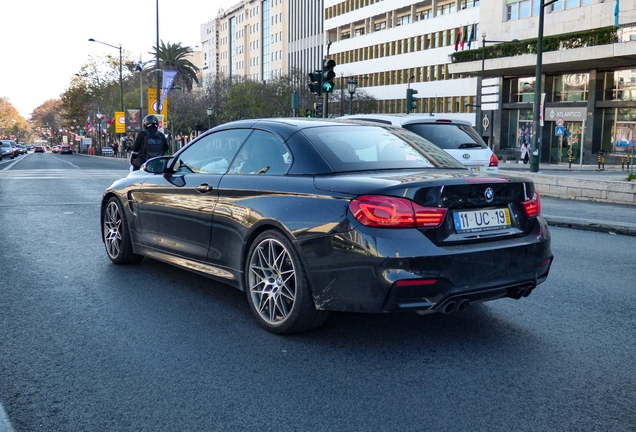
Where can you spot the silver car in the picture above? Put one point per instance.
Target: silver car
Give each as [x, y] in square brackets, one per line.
[455, 137]
[7, 149]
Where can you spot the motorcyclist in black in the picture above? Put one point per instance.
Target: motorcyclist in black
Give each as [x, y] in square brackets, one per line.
[149, 143]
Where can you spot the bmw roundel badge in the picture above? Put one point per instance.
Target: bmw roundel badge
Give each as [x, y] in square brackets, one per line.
[489, 194]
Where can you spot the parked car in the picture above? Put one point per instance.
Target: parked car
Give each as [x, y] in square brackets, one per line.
[7, 149]
[39, 149]
[309, 216]
[456, 137]
[66, 149]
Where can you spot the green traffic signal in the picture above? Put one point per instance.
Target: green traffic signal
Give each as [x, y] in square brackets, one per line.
[411, 100]
[328, 75]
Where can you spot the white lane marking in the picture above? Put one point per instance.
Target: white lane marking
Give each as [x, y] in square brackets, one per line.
[5, 425]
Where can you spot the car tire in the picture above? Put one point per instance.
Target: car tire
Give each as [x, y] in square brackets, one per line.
[116, 235]
[276, 285]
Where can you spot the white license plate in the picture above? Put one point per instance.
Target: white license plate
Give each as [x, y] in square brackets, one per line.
[481, 220]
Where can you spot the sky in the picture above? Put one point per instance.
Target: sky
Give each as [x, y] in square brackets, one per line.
[43, 43]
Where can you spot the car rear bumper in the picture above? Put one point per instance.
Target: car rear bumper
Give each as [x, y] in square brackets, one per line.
[366, 270]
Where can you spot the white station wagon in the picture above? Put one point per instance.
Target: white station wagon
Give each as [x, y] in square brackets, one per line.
[455, 137]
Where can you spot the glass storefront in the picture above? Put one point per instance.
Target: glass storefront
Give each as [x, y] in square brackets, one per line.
[619, 124]
[618, 133]
[561, 147]
[619, 130]
[520, 128]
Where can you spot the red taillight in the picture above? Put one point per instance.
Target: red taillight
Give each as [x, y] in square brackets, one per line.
[533, 206]
[493, 160]
[393, 212]
[415, 282]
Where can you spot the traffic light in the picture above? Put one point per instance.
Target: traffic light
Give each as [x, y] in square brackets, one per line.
[309, 113]
[328, 75]
[318, 109]
[411, 100]
[315, 86]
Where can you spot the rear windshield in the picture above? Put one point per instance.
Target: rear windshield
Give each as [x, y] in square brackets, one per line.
[448, 136]
[361, 148]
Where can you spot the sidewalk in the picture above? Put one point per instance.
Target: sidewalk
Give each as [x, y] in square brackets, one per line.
[584, 197]
[579, 198]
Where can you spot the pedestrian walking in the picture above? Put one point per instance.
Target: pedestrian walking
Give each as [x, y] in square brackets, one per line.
[115, 149]
[525, 152]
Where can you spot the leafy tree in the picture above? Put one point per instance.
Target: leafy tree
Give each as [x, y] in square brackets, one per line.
[48, 117]
[12, 124]
[247, 99]
[175, 57]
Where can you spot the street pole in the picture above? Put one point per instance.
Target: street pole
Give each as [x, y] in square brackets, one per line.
[480, 127]
[121, 81]
[158, 108]
[536, 126]
[141, 93]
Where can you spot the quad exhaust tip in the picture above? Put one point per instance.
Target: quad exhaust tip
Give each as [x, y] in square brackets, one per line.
[518, 292]
[456, 306]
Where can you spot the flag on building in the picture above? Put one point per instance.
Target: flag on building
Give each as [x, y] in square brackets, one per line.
[616, 14]
[464, 36]
[472, 35]
[458, 38]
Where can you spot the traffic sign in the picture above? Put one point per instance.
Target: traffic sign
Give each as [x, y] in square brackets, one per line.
[560, 121]
[485, 122]
[559, 131]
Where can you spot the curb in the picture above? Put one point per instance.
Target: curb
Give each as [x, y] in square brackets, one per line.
[591, 225]
[581, 188]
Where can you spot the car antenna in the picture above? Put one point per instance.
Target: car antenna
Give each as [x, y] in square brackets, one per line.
[433, 105]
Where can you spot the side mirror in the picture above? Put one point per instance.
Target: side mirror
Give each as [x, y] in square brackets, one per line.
[157, 165]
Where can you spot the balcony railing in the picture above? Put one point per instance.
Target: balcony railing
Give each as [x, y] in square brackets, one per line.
[601, 36]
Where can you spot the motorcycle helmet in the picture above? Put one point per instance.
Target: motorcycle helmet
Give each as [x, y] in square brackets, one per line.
[151, 121]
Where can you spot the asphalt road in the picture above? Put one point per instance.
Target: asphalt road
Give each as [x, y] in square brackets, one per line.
[89, 346]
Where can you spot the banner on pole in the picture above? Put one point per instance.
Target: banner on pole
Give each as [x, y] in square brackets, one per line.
[120, 122]
[152, 103]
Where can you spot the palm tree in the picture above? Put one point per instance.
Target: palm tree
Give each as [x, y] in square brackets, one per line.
[175, 57]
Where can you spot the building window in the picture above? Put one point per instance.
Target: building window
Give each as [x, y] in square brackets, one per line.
[403, 20]
[558, 5]
[379, 26]
[620, 85]
[571, 87]
[422, 15]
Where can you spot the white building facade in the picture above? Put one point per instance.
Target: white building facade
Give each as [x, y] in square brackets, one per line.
[387, 46]
[589, 87]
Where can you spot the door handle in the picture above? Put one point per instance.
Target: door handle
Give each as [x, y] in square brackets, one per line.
[204, 188]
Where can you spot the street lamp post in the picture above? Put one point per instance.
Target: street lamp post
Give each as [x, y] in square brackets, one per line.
[210, 111]
[121, 85]
[158, 109]
[536, 131]
[140, 68]
[352, 85]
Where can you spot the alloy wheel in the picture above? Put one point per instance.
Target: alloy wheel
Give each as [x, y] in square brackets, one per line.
[272, 281]
[112, 229]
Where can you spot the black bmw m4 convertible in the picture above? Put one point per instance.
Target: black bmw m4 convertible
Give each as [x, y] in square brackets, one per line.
[310, 216]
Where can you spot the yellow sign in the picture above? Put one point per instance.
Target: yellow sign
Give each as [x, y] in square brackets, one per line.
[120, 122]
[152, 103]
